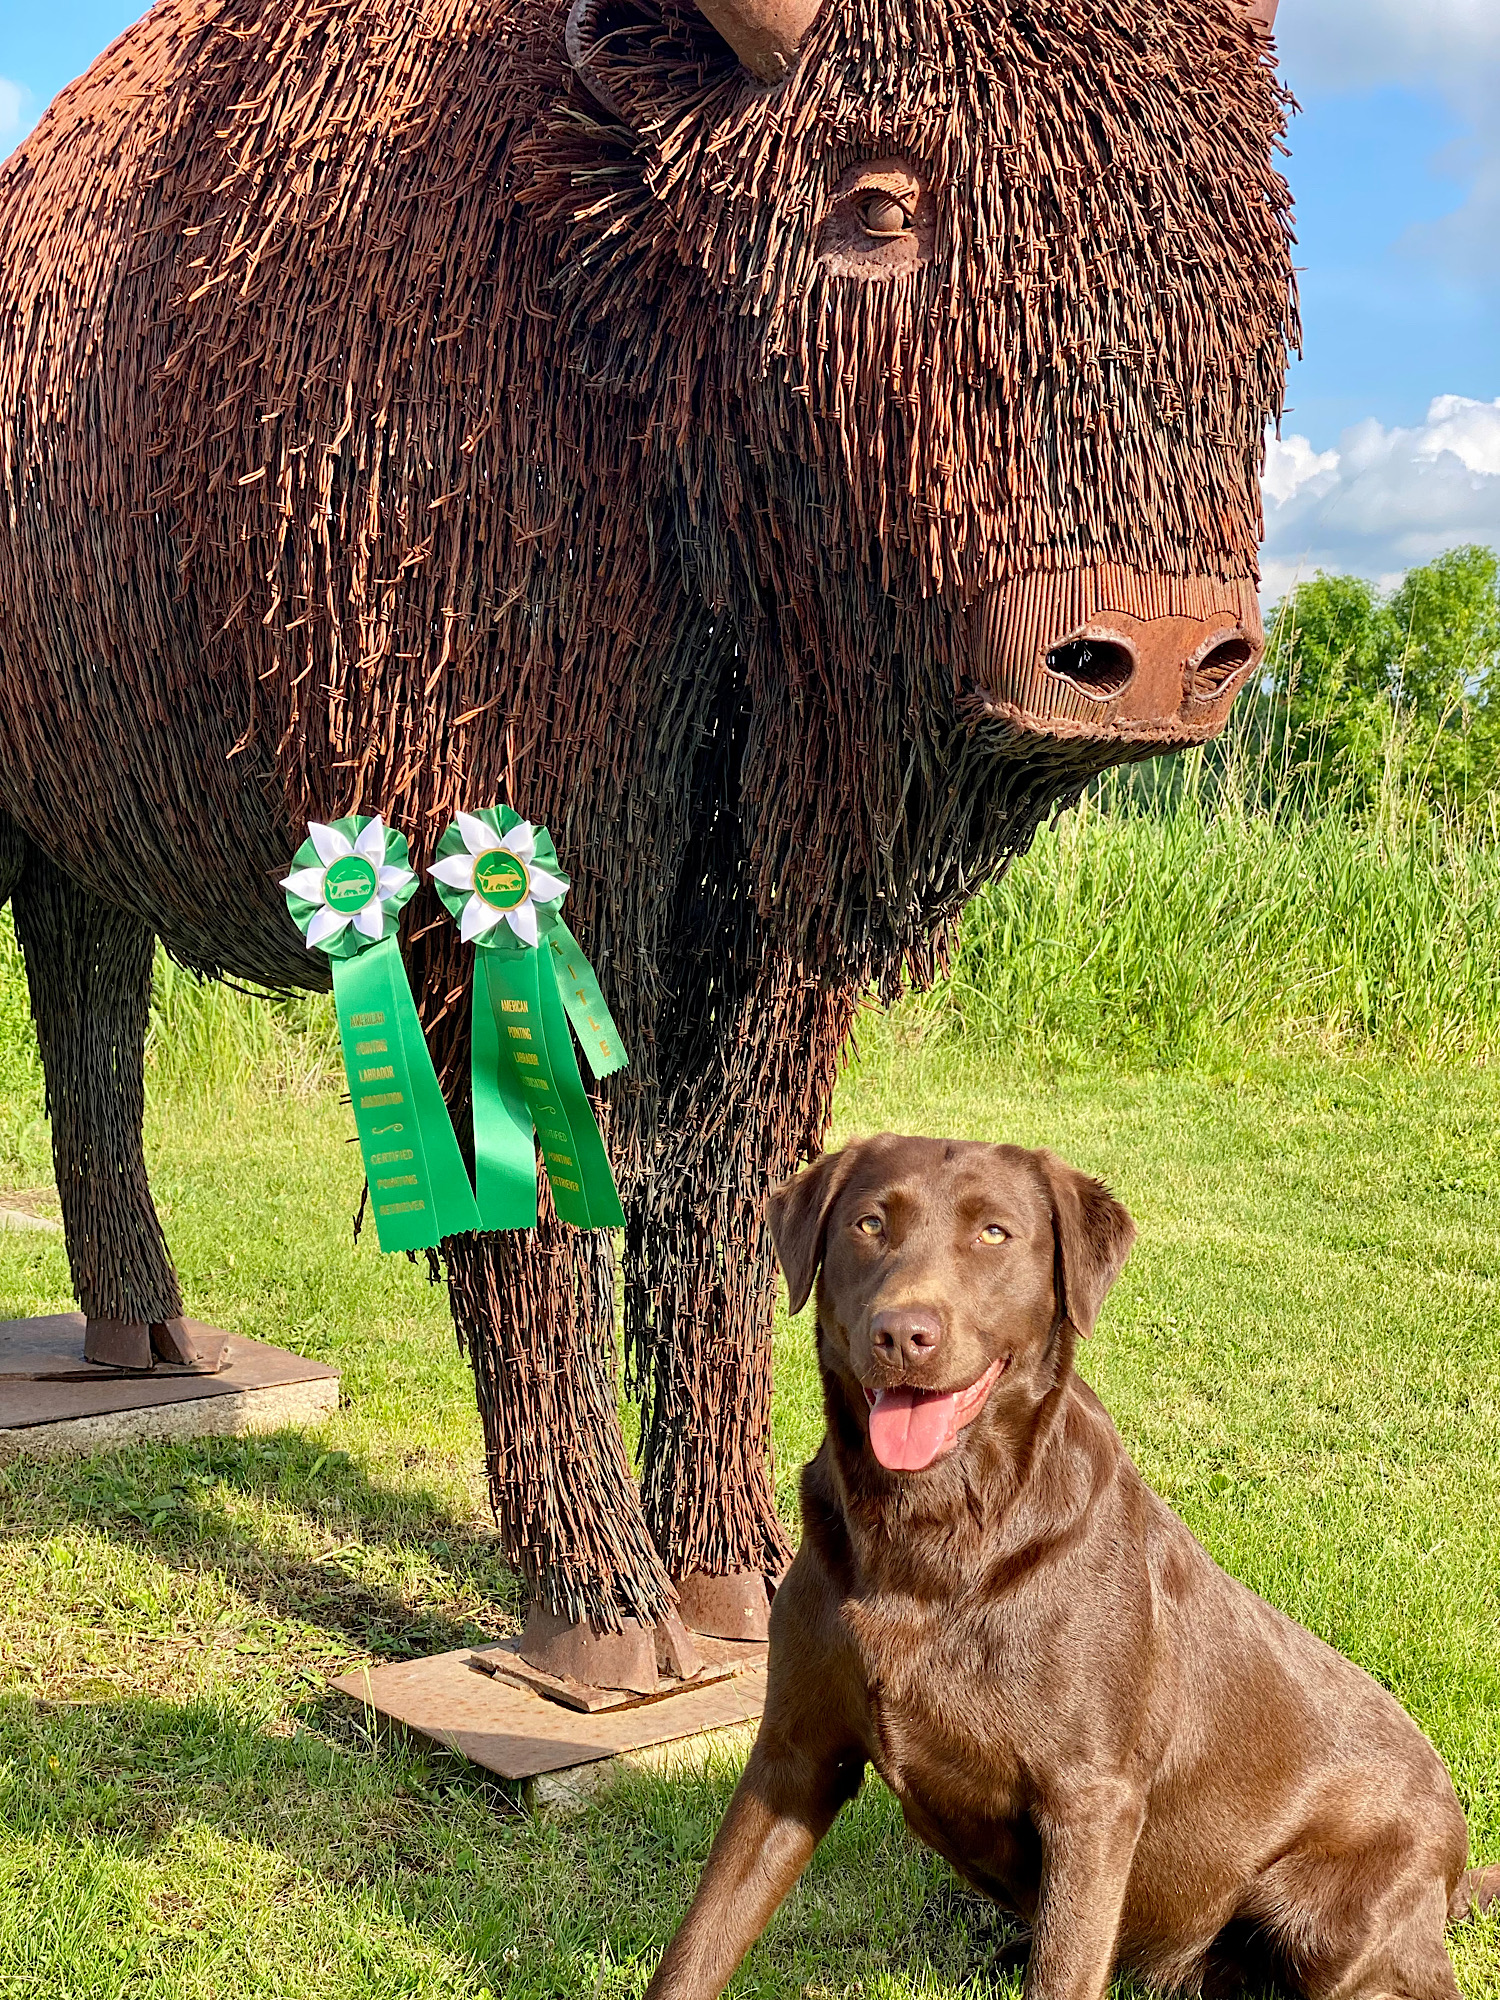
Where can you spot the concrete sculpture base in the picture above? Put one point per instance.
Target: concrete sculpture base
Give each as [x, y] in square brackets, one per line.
[53, 1401]
[558, 1738]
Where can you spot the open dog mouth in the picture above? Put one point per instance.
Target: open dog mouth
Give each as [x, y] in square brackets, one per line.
[909, 1428]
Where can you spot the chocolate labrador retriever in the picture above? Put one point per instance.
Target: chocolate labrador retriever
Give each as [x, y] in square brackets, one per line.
[1094, 1724]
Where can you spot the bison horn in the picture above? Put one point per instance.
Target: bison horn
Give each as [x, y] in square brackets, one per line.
[764, 34]
[579, 41]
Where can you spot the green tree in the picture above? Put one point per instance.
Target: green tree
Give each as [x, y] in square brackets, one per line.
[1446, 672]
[1370, 691]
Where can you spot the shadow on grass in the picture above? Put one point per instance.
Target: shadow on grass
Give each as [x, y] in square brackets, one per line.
[172, 1843]
[386, 1571]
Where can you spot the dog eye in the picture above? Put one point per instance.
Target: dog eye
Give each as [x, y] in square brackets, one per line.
[992, 1233]
[869, 1225]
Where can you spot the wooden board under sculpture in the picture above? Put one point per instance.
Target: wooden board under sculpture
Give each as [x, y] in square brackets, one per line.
[786, 452]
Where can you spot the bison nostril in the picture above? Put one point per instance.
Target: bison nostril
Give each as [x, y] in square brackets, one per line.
[1099, 667]
[1218, 667]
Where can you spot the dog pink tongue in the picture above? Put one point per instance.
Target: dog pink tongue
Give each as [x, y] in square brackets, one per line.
[909, 1427]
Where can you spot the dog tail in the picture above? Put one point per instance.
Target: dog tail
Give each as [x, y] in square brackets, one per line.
[1477, 1889]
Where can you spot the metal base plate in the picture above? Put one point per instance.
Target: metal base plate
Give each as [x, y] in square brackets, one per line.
[52, 1400]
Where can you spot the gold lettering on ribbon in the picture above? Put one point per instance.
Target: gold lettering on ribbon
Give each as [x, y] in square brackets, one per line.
[520, 1056]
[514, 1007]
[400, 1207]
[371, 1048]
[571, 1186]
[398, 1180]
[518, 1034]
[386, 1159]
[385, 1097]
[367, 1020]
[377, 1075]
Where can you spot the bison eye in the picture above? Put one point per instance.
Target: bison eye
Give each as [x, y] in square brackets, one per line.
[882, 215]
[880, 223]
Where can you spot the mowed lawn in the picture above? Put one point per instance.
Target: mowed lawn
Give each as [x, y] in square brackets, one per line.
[1302, 1356]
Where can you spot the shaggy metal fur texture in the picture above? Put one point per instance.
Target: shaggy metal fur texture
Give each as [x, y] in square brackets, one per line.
[386, 425]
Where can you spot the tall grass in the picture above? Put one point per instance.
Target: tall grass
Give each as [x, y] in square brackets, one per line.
[207, 1035]
[1188, 912]
[202, 1036]
[1179, 937]
[1212, 906]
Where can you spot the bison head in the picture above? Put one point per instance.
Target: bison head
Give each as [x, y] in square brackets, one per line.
[962, 322]
[1011, 277]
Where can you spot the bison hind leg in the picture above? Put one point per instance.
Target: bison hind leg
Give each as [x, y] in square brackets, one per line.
[88, 967]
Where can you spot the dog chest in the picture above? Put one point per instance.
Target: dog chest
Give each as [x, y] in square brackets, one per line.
[942, 1733]
[961, 1790]
[946, 1739]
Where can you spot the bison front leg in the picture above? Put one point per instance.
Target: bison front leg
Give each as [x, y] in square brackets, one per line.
[750, 1102]
[536, 1313]
[88, 966]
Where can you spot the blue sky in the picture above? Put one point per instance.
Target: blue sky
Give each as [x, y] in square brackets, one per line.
[1391, 447]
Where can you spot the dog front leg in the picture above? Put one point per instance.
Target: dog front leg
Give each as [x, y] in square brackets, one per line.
[1088, 1846]
[785, 1803]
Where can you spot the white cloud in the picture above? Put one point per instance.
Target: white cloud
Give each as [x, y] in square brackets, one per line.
[1384, 499]
[1357, 44]
[16, 118]
[1448, 46]
[1290, 464]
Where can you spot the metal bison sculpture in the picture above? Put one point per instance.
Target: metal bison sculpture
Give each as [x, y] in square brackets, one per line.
[787, 452]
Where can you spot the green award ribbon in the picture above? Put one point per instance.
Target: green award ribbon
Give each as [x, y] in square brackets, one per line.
[348, 884]
[500, 879]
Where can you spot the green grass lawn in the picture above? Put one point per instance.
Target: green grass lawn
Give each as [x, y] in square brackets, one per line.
[1301, 1355]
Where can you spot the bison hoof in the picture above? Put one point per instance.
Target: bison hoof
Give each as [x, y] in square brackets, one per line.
[725, 1607]
[576, 1650]
[189, 1344]
[118, 1343]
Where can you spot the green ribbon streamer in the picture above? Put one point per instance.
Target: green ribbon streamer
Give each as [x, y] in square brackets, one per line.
[504, 1136]
[592, 1022]
[526, 1078]
[419, 1187]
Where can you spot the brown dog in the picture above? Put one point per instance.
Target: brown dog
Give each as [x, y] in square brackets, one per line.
[1074, 1705]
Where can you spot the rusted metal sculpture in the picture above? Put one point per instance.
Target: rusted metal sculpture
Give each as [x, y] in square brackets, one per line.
[787, 452]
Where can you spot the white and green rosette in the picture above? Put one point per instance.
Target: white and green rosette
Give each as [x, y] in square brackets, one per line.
[501, 881]
[349, 882]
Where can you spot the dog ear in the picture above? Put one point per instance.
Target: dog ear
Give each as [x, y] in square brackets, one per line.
[797, 1216]
[1094, 1233]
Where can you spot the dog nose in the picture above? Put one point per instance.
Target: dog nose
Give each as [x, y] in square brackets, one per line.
[906, 1336]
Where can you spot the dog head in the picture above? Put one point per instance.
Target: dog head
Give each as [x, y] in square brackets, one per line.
[953, 1280]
